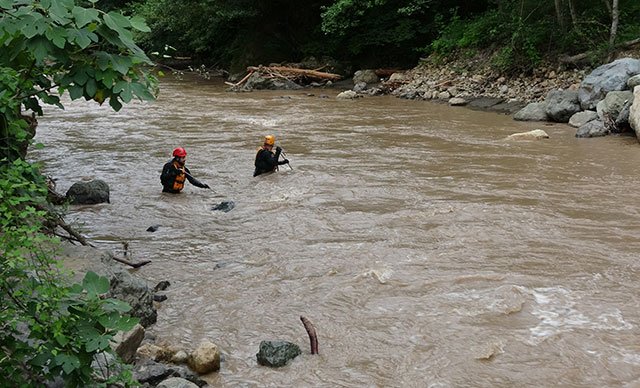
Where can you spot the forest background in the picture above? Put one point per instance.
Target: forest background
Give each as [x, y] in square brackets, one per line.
[511, 35]
[104, 51]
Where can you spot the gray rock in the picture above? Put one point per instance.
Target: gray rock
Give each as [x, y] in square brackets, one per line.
[359, 87]
[366, 76]
[256, 82]
[457, 101]
[606, 78]
[561, 105]
[132, 290]
[613, 103]
[633, 82]
[634, 112]
[581, 118]
[347, 95]
[594, 128]
[126, 344]
[536, 111]
[485, 103]
[105, 366]
[176, 382]
[277, 353]
[88, 193]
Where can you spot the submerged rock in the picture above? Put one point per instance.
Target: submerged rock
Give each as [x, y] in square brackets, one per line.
[277, 353]
[224, 206]
[88, 193]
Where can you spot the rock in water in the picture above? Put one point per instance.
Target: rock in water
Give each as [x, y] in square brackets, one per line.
[224, 206]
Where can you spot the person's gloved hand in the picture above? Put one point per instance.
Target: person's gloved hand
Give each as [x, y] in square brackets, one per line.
[206, 186]
[278, 149]
[286, 161]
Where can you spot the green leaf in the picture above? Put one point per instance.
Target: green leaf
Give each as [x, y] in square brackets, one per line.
[141, 91]
[80, 77]
[97, 342]
[39, 47]
[33, 24]
[116, 21]
[94, 284]
[90, 89]
[123, 88]
[121, 64]
[114, 103]
[69, 362]
[139, 24]
[103, 60]
[62, 340]
[116, 305]
[6, 4]
[57, 35]
[59, 13]
[84, 16]
[106, 77]
[83, 37]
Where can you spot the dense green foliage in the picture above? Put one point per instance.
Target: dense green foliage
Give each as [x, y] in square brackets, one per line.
[51, 47]
[521, 34]
[48, 328]
[518, 34]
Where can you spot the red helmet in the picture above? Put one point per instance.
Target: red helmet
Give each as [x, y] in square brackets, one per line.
[179, 152]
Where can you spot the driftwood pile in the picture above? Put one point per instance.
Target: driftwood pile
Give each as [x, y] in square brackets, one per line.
[299, 76]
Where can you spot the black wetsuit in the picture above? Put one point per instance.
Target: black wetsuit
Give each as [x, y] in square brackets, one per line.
[172, 177]
[267, 161]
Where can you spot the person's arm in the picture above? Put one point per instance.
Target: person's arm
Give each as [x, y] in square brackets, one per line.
[277, 156]
[194, 181]
[169, 173]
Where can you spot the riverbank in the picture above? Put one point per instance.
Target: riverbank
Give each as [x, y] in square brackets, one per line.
[477, 83]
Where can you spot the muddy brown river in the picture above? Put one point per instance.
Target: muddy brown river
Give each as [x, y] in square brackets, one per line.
[426, 249]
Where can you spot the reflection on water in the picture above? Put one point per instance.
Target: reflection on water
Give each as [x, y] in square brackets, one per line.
[426, 249]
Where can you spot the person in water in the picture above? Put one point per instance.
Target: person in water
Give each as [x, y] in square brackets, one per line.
[174, 173]
[266, 159]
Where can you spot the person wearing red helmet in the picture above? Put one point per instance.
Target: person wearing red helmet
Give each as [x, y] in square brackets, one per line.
[266, 159]
[174, 173]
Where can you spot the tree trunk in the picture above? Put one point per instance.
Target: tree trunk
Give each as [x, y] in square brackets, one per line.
[615, 17]
[574, 16]
[559, 17]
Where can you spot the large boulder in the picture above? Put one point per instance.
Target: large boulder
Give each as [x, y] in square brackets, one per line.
[366, 76]
[613, 104]
[535, 111]
[581, 118]
[606, 78]
[133, 290]
[88, 193]
[634, 112]
[594, 128]
[561, 105]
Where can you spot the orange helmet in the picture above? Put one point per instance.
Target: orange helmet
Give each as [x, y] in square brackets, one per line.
[179, 152]
[269, 140]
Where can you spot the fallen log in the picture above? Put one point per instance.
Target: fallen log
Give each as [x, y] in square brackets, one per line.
[246, 77]
[295, 72]
[584, 57]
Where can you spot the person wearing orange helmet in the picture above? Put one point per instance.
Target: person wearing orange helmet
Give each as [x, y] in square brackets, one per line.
[266, 159]
[174, 174]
